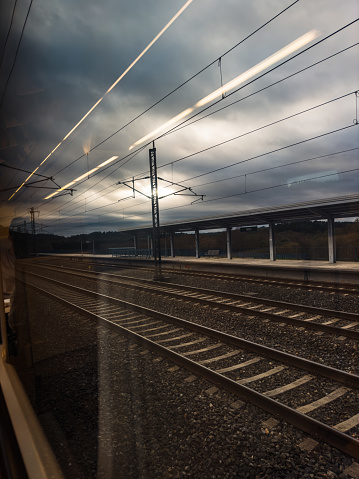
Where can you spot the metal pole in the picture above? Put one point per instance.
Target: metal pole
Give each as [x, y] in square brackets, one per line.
[331, 241]
[155, 214]
[229, 243]
[172, 241]
[196, 238]
[272, 246]
[5, 350]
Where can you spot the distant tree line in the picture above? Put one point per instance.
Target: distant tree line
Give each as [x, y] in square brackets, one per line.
[289, 236]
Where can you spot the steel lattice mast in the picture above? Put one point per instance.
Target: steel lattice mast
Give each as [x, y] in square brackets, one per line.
[156, 240]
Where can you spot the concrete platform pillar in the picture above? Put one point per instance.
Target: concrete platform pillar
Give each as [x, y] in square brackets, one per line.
[172, 244]
[135, 244]
[196, 237]
[331, 241]
[272, 248]
[229, 242]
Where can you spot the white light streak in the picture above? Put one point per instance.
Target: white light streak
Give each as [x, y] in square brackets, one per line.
[276, 57]
[162, 127]
[107, 161]
[86, 174]
[111, 87]
[81, 177]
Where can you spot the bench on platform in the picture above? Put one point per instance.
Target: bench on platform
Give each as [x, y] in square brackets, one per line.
[212, 252]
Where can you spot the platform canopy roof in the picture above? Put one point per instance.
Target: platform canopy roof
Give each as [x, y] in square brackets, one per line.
[339, 207]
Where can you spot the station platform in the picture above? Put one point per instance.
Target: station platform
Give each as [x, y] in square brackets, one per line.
[341, 272]
[302, 270]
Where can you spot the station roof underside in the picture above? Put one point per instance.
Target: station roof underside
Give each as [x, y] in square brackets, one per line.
[340, 207]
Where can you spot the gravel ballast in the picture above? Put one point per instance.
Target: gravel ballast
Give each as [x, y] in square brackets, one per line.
[114, 410]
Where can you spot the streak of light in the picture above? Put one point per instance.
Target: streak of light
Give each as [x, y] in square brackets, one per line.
[86, 174]
[180, 11]
[81, 177]
[162, 127]
[276, 57]
[107, 161]
[279, 55]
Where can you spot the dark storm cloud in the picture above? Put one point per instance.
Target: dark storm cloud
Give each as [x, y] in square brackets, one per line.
[73, 51]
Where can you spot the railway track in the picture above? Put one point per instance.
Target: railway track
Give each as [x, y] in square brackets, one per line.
[335, 322]
[328, 287]
[304, 393]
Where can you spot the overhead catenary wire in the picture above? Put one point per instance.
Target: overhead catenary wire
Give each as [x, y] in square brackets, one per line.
[272, 168]
[299, 53]
[241, 99]
[8, 34]
[212, 199]
[188, 122]
[239, 136]
[256, 78]
[257, 156]
[272, 151]
[111, 87]
[16, 54]
[134, 153]
[183, 124]
[249, 132]
[280, 185]
[183, 84]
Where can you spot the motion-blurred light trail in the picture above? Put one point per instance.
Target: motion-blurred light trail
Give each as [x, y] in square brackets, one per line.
[81, 177]
[276, 57]
[180, 11]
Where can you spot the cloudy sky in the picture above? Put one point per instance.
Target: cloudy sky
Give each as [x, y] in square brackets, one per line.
[242, 152]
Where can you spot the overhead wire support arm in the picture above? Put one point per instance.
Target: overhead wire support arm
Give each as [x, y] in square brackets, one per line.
[125, 183]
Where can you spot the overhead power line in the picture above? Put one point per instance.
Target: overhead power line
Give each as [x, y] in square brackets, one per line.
[242, 135]
[282, 184]
[272, 168]
[111, 87]
[296, 55]
[275, 151]
[16, 54]
[255, 79]
[51, 223]
[184, 83]
[252, 131]
[188, 122]
[183, 124]
[288, 60]
[128, 156]
[8, 33]
[242, 161]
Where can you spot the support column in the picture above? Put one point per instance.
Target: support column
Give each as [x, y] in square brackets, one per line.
[135, 243]
[196, 235]
[172, 243]
[331, 241]
[229, 242]
[155, 215]
[272, 248]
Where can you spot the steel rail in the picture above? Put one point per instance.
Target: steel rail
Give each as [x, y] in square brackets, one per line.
[328, 434]
[345, 288]
[329, 372]
[237, 308]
